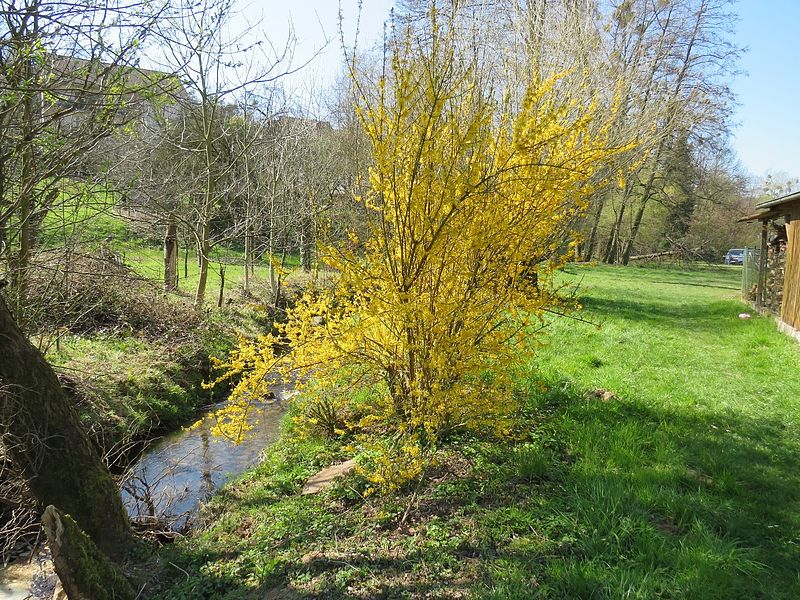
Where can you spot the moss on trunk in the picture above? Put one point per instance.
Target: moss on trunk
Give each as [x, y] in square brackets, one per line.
[84, 571]
[42, 435]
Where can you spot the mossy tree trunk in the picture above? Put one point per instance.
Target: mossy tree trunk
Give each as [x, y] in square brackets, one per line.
[84, 571]
[43, 436]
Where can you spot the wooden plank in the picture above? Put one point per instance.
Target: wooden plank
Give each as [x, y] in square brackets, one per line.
[790, 311]
[653, 255]
[789, 330]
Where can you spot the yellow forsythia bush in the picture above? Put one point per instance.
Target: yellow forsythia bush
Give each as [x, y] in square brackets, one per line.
[471, 207]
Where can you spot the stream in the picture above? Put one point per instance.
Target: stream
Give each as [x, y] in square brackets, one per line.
[179, 471]
[167, 485]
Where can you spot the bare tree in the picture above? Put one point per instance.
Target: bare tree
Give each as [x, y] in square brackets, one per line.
[69, 82]
[662, 67]
[217, 69]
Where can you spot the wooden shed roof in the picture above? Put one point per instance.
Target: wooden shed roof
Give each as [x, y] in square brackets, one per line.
[772, 209]
[787, 199]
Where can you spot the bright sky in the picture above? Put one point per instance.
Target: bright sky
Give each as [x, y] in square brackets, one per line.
[313, 22]
[767, 137]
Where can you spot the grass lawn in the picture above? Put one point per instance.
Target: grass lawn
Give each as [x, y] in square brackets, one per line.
[684, 484]
[148, 261]
[90, 219]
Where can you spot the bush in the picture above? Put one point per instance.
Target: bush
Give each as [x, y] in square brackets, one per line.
[83, 293]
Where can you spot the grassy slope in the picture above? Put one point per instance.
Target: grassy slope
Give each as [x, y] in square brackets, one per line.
[128, 387]
[129, 384]
[90, 219]
[685, 485]
[148, 261]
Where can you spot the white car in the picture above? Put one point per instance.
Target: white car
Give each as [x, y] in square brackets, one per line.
[735, 256]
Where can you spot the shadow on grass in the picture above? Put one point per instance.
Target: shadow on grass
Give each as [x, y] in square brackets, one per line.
[704, 285]
[344, 576]
[182, 577]
[697, 316]
[636, 502]
[663, 504]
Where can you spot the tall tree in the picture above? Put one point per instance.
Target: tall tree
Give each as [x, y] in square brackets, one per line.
[217, 68]
[687, 59]
[67, 72]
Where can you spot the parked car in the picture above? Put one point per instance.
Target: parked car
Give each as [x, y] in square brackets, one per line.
[735, 256]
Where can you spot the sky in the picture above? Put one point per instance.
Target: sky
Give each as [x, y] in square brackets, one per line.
[315, 24]
[767, 138]
[767, 118]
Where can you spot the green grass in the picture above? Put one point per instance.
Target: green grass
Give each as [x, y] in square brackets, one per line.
[130, 387]
[684, 484]
[83, 215]
[148, 261]
[89, 218]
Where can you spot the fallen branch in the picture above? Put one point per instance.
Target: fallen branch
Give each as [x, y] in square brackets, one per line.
[654, 255]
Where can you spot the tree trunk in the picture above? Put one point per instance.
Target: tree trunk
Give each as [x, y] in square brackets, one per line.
[4, 215]
[186, 259]
[208, 110]
[221, 298]
[637, 222]
[44, 438]
[591, 242]
[279, 279]
[84, 571]
[171, 257]
[610, 254]
[26, 203]
[3, 243]
[648, 190]
[38, 216]
[273, 284]
[306, 243]
[203, 279]
[248, 256]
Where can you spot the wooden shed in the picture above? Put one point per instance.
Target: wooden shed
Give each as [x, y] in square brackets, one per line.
[778, 286]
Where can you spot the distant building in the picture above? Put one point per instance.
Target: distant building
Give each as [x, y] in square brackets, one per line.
[82, 90]
[289, 123]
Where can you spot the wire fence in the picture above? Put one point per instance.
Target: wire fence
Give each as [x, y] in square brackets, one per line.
[750, 273]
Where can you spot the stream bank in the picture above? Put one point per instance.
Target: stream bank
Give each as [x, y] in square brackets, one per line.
[127, 387]
[166, 483]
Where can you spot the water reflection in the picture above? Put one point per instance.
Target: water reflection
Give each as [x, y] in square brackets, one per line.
[179, 471]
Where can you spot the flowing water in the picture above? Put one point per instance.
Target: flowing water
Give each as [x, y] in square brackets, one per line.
[181, 470]
[167, 484]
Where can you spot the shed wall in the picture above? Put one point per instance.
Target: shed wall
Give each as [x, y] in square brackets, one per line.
[790, 311]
